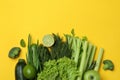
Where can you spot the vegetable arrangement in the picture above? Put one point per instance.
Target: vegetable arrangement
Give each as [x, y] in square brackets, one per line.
[58, 59]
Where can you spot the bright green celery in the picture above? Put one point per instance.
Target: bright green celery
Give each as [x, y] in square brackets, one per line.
[99, 59]
[75, 46]
[76, 49]
[83, 60]
[90, 47]
[91, 58]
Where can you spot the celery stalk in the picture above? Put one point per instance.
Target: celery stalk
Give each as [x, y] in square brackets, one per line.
[83, 60]
[90, 46]
[99, 59]
[76, 48]
[92, 56]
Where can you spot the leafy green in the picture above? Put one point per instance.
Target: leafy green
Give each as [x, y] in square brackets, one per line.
[44, 55]
[67, 69]
[60, 48]
[61, 69]
[37, 54]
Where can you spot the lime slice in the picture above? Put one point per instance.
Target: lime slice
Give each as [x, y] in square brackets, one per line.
[48, 40]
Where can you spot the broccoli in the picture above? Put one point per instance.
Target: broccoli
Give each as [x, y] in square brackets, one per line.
[108, 65]
[14, 52]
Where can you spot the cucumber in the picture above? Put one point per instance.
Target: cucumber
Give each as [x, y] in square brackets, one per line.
[19, 70]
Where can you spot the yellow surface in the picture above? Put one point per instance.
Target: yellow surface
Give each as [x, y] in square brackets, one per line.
[99, 20]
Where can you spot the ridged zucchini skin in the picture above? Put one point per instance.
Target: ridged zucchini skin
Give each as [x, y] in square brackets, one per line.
[19, 70]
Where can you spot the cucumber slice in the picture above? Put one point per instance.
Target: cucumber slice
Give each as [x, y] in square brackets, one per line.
[48, 40]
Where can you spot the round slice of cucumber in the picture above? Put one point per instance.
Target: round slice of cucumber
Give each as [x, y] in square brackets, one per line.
[48, 40]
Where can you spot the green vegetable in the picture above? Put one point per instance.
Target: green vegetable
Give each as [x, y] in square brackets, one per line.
[92, 66]
[84, 38]
[29, 72]
[33, 56]
[48, 40]
[37, 54]
[83, 53]
[14, 52]
[89, 50]
[44, 55]
[19, 70]
[74, 44]
[50, 71]
[22, 43]
[67, 69]
[60, 48]
[62, 69]
[92, 75]
[83, 60]
[98, 62]
[108, 65]
[56, 59]
[91, 57]
[29, 55]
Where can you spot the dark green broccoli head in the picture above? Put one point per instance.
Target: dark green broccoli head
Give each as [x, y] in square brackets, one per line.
[108, 65]
[14, 52]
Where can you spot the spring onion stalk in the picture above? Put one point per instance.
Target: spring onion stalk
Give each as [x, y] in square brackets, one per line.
[83, 60]
[29, 55]
[99, 59]
[90, 46]
[35, 56]
[91, 58]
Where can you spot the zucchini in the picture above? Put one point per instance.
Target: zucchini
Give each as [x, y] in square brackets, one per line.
[19, 70]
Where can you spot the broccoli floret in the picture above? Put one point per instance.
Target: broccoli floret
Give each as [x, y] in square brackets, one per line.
[14, 52]
[108, 65]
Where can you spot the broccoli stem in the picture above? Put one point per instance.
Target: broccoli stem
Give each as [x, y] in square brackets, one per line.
[99, 59]
[105, 67]
[83, 60]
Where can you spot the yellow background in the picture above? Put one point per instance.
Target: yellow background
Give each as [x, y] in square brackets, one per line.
[99, 20]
